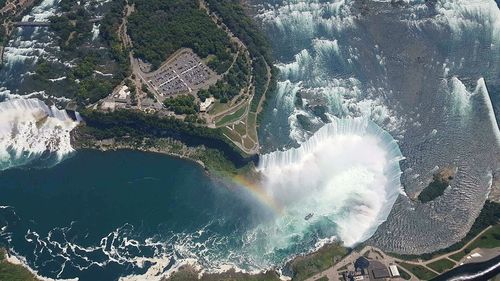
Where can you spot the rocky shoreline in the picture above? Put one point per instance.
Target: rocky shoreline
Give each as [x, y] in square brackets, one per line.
[168, 147]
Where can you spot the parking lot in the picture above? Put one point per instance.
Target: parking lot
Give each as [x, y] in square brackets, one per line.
[185, 72]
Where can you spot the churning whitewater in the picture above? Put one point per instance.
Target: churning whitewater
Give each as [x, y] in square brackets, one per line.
[347, 173]
[424, 71]
[31, 130]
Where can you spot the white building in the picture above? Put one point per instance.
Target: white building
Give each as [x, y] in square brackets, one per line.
[123, 93]
[204, 106]
[394, 270]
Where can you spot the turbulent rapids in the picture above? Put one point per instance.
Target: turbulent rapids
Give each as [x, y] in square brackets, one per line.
[347, 173]
[30, 130]
[361, 84]
[425, 71]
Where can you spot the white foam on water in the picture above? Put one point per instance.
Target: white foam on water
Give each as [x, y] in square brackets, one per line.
[482, 90]
[14, 258]
[29, 128]
[302, 19]
[470, 15]
[40, 94]
[42, 12]
[347, 172]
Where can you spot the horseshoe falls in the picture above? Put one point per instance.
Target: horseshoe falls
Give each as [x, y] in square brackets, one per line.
[426, 72]
[373, 97]
[346, 174]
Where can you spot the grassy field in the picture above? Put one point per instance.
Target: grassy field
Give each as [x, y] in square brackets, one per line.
[12, 272]
[419, 271]
[309, 265]
[404, 274]
[442, 265]
[218, 107]
[489, 239]
[458, 256]
[252, 125]
[241, 128]
[231, 117]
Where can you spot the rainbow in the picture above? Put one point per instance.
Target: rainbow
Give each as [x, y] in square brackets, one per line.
[255, 189]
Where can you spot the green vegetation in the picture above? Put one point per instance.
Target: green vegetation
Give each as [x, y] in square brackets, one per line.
[490, 215]
[182, 104]
[189, 275]
[261, 79]
[324, 278]
[231, 117]
[109, 32]
[73, 27]
[13, 272]
[458, 256]
[135, 125]
[435, 189]
[183, 24]
[232, 83]
[489, 239]
[233, 15]
[442, 265]
[306, 266]
[419, 271]
[404, 274]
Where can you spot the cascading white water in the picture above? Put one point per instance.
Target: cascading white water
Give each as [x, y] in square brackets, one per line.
[347, 173]
[30, 129]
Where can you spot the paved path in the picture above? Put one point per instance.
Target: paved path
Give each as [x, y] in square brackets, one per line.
[333, 275]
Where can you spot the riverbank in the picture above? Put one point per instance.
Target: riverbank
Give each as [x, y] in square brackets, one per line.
[10, 269]
[211, 160]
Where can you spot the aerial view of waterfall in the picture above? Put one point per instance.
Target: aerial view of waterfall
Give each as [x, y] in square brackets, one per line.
[249, 140]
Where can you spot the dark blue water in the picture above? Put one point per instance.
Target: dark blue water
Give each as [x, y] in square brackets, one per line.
[91, 216]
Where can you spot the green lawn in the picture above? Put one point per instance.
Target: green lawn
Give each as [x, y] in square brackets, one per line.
[241, 128]
[218, 107]
[309, 265]
[458, 256]
[231, 117]
[232, 135]
[419, 271]
[404, 274]
[489, 239]
[441, 265]
[252, 126]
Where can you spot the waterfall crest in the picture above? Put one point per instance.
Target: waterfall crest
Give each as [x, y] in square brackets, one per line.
[30, 130]
[347, 173]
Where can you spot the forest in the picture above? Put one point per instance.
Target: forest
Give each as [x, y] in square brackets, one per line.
[233, 15]
[71, 27]
[232, 83]
[183, 24]
[182, 104]
[137, 125]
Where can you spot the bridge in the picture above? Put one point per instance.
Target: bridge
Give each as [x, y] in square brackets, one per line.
[30, 23]
[45, 23]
